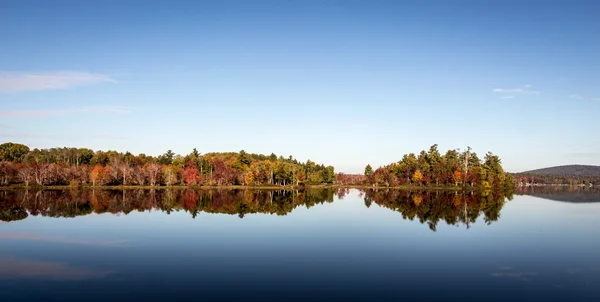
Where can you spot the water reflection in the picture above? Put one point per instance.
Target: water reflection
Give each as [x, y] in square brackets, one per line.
[17, 205]
[11, 268]
[455, 208]
[343, 247]
[428, 207]
[573, 194]
[61, 239]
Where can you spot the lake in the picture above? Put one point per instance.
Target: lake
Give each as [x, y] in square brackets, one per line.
[329, 244]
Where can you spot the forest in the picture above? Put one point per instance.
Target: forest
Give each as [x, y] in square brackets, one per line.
[526, 179]
[84, 167]
[81, 166]
[431, 168]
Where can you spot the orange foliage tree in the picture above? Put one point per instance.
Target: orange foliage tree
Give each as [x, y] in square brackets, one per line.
[417, 177]
[457, 176]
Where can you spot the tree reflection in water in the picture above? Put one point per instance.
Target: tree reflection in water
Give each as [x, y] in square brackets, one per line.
[16, 205]
[572, 194]
[431, 207]
[428, 207]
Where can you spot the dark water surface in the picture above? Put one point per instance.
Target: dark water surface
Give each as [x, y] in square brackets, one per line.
[297, 245]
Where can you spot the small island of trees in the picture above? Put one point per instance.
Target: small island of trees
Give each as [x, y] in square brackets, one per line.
[431, 168]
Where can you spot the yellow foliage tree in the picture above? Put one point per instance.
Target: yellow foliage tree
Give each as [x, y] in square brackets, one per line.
[418, 176]
[249, 177]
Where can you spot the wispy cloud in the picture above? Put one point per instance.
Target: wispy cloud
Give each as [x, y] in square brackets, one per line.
[31, 81]
[4, 126]
[596, 99]
[576, 97]
[515, 91]
[42, 113]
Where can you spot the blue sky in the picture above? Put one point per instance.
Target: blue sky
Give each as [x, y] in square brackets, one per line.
[345, 83]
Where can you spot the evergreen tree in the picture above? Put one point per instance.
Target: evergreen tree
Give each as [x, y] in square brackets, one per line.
[368, 171]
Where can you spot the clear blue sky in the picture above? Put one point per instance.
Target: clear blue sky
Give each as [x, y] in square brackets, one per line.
[345, 83]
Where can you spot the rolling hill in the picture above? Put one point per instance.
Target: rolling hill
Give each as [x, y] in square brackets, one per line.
[569, 170]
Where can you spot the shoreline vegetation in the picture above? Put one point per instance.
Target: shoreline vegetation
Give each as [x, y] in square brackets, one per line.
[238, 187]
[272, 187]
[62, 168]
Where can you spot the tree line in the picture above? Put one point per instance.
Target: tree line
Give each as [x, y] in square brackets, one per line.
[454, 168]
[82, 166]
[530, 179]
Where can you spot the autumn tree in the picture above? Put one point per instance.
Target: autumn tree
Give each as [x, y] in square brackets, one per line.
[191, 174]
[457, 176]
[153, 172]
[8, 172]
[417, 177]
[126, 172]
[26, 173]
[170, 175]
[96, 174]
[139, 175]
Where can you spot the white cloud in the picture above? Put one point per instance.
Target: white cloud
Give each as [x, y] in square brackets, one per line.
[23, 81]
[515, 91]
[42, 113]
[576, 97]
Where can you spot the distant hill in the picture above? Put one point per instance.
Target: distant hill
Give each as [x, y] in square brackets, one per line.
[569, 170]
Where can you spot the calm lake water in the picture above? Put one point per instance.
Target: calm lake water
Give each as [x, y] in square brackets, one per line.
[293, 245]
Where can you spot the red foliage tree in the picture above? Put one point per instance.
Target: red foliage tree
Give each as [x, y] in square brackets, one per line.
[190, 175]
[8, 172]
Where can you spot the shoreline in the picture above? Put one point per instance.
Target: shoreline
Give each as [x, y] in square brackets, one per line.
[243, 187]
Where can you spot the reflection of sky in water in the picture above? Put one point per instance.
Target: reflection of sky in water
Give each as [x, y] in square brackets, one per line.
[537, 245]
[21, 268]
